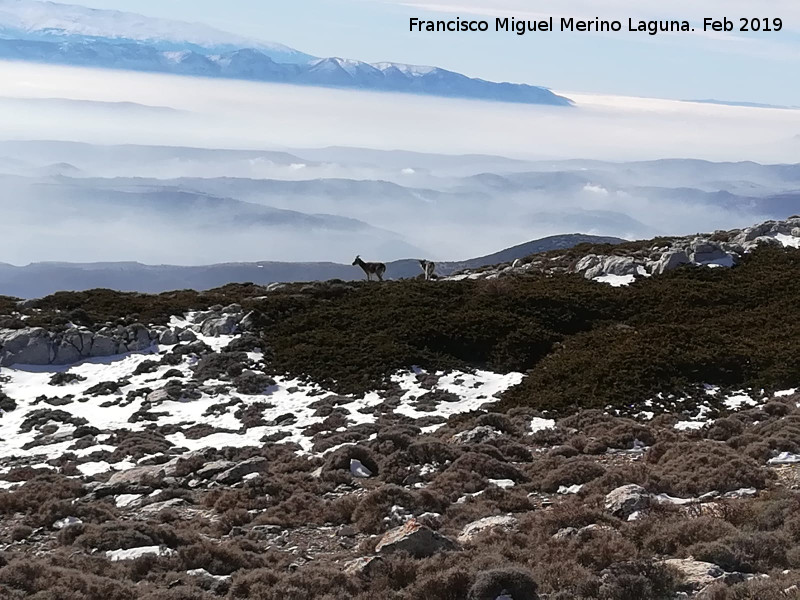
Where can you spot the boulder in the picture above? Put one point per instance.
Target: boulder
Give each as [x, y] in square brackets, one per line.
[257, 464]
[37, 346]
[477, 435]
[365, 566]
[626, 500]
[138, 337]
[130, 481]
[168, 337]
[593, 266]
[217, 326]
[30, 346]
[670, 260]
[187, 335]
[157, 507]
[211, 469]
[103, 346]
[472, 530]
[414, 538]
[694, 573]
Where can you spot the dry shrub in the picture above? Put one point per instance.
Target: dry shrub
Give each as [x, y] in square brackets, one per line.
[30, 578]
[600, 548]
[374, 507]
[724, 429]
[44, 498]
[339, 459]
[221, 558]
[431, 451]
[695, 468]
[123, 535]
[747, 552]
[673, 534]
[637, 580]
[571, 512]
[491, 584]
[450, 584]
[315, 582]
[488, 466]
[572, 471]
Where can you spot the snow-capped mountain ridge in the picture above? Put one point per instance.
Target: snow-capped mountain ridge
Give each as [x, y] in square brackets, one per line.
[65, 34]
[258, 65]
[37, 20]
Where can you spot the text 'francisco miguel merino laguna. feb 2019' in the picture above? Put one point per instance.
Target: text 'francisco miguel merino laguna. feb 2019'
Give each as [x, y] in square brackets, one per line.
[597, 25]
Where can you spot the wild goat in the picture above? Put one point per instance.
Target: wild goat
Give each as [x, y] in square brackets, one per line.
[428, 267]
[371, 268]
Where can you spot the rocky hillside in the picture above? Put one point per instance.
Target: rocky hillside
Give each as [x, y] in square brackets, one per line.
[526, 432]
[623, 263]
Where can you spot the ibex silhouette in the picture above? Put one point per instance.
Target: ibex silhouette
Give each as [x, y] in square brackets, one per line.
[371, 268]
[428, 267]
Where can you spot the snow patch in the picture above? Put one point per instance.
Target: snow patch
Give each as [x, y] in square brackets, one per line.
[616, 280]
[134, 553]
[540, 424]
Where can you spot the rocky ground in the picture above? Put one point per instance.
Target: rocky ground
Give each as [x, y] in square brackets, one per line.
[154, 447]
[621, 264]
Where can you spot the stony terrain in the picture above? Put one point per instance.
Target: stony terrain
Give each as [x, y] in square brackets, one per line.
[440, 440]
[622, 264]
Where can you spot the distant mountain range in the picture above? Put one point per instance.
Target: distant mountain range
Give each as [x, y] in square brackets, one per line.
[63, 34]
[40, 279]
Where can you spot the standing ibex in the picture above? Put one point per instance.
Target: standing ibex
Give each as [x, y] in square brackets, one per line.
[370, 267]
[428, 267]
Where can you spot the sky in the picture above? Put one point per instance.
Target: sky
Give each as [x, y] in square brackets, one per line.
[733, 66]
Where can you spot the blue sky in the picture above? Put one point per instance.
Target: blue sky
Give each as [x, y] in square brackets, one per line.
[730, 66]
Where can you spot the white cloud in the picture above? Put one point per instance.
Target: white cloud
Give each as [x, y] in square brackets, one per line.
[236, 114]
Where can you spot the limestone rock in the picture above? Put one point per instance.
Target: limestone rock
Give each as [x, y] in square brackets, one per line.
[477, 435]
[257, 464]
[696, 574]
[222, 325]
[626, 500]
[472, 530]
[415, 539]
[216, 467]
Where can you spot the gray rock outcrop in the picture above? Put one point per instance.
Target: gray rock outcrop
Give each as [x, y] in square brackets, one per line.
[414, 538]
[37, 346]
[626, 500]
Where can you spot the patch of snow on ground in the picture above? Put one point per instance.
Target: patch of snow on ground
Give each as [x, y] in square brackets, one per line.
[783, 393]
[788, 240]
[110, 413]
[133, 553]
[473, 389]
[784, 458]
[735, 401]
[503, 483]
[570, 489]
[616, 280]
[540, 424]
